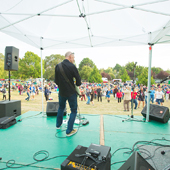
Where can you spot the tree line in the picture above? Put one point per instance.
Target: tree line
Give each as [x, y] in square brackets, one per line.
[30, 67]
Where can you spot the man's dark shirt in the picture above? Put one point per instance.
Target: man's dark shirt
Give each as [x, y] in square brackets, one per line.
[99, 91]
[71, 72]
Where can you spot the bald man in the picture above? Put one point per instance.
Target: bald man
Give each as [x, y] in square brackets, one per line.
[66, 92]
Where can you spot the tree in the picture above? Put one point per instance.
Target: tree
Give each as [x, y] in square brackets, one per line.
[3, 73]
[156, 70]
[106, 75]
[109, 70]
[85, 72]
[29, 66]
[131, 74]
[101, 70]
[143, 77]
[117, 67]
[138, 70]
[124, 75]
[162, 75]
[86, 62]
[168, 71]
[49, 64]
[1, 57]
[130, 66]
[112, 76]
[95, 76]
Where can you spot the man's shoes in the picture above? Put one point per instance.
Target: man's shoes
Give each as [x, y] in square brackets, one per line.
[74, 131]
[58, 127]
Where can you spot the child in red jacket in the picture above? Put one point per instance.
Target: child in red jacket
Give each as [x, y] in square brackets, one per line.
[119, 96]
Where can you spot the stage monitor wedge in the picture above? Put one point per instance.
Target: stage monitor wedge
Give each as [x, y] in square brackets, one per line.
[136, 162]
[11, 58]
[52, 109]
[157, 113]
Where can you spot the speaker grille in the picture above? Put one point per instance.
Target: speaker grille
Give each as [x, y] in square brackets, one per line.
[52, 109]
[53, 106]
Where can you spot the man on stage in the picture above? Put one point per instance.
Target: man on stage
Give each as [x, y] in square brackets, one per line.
[67, 90]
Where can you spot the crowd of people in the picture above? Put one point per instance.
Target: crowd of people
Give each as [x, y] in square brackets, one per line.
[90, 92]
[124, 92]
[30, 89]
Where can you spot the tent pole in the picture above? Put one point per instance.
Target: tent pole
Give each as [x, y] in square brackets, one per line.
[149, 82]
[42, 77]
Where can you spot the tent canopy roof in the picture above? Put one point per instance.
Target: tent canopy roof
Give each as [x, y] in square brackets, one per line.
[86, 23]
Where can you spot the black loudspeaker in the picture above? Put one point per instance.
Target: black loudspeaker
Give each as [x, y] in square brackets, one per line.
[10, 108]
[158, 113]
[136, 162]
[11, 59]
[52, 109]
[76, 161]
[6, 122]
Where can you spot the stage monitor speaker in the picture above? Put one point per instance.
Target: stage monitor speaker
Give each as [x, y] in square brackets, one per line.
[136, 162]
[157, 113]
[10, 108]
[11, 58]
[52, 109]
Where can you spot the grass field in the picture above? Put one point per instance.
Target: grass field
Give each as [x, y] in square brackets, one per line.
[99, 107]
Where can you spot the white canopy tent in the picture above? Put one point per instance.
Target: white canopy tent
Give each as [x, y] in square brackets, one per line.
[87, 23]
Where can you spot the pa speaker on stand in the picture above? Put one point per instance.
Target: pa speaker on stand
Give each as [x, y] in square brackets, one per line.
[11, 58]
[157, 113]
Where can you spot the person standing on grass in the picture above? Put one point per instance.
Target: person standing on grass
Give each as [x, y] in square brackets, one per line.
[167, 94]
[159, 95]
[152, 94]
[108, 95]
[32, 91]
[4, 92]
[37, 90]
[66, 91]
[127, 98]
[92, 96]
[141, 96]
[146, 96]
[119, 96]
[28, 93]
[46, 92]
[99, 93]
[133, 96]
[88, 95]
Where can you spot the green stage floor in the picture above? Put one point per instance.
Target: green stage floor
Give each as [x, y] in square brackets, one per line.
[22, 140]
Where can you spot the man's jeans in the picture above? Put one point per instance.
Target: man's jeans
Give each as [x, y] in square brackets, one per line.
[152, 98]
[28, 96]
[136, 103]
[72, 100]
[88, 100]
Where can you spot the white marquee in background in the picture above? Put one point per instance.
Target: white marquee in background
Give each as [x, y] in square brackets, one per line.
[57, 24]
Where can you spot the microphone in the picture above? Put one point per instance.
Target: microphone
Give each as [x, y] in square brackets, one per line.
[165, 79]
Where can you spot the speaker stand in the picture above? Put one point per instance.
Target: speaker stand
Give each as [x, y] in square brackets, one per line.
[9, 86]
[131, 118]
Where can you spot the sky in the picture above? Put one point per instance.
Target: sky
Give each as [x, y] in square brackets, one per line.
[103, 57]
